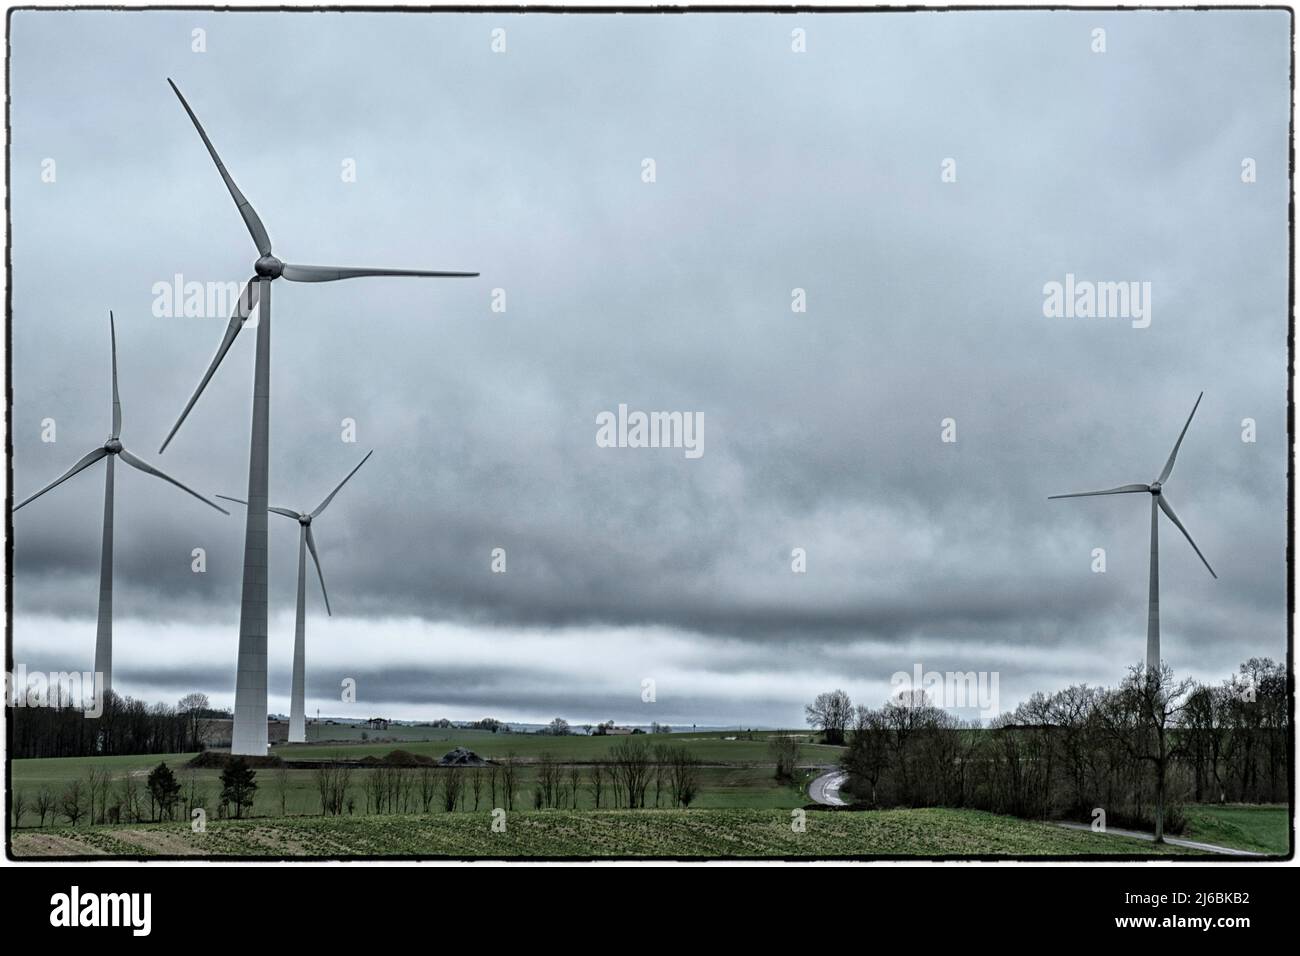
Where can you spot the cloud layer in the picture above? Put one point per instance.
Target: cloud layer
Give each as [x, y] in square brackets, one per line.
[774, 171]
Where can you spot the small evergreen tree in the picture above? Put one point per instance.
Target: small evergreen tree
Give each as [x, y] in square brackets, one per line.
[238, 784]
[164, 789]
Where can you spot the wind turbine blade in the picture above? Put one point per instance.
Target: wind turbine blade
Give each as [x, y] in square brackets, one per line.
[85, 462]
[243, 308]
[1169, 465]
[1169, 512]
[334, 273]
[117, 404]
[149, 469]
[1121, 490]
[251, 220]
[341, 484]
[280, 511]
[311, 546]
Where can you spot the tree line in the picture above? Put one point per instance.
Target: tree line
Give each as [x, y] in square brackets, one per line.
[125, 726]
[634, 775]
[1137, 752]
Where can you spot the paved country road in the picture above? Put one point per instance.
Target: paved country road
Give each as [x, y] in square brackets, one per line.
[826, 789]
[1172, 841]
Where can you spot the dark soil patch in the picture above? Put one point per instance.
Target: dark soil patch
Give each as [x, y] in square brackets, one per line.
[220, 759]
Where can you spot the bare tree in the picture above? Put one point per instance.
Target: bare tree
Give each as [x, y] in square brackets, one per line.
[830, 713]
[868, 752]
[97, 784]
[191, 708]
[72, 804]
[1140, 716]
[784, 750]
[596, 782]
[661, 754]
[402, 781]
[615, 783]
[19, 805]
[282, 788]
[128, 798]
[44, 804]
[575, 783]
[476, 782]
[509, 774]
[548, 780]
[631, 759]
[451, 788]
[683, 776]
[332, 783]
[428, 787]
[192, 796]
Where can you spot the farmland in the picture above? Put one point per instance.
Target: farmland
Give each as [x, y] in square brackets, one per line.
[731, 747]
[739, 809]
[551, 833]
[736, 773]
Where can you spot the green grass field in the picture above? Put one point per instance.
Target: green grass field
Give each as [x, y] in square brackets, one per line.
[671, 833]
[1263, 829]
[710, 747]
[727, 784]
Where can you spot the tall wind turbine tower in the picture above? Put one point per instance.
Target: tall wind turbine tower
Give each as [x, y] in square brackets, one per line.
[306, 542]
[1158, 501]
[248, 735]
[111, 449]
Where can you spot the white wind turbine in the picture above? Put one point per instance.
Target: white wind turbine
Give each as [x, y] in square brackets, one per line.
[248, 735]
[111, 449]
[1158, 501]
[306, 542]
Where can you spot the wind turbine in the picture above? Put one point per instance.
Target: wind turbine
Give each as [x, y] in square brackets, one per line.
[111, 449]
[248, 734]
[297, 700]
[1158, 500]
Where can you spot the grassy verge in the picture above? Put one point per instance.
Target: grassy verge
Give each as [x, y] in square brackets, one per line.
[1263, 829]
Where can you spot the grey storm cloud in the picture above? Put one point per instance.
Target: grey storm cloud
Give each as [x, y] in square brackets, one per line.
[774, 171]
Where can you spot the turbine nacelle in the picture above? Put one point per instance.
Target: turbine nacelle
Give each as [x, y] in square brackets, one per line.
[269, 267]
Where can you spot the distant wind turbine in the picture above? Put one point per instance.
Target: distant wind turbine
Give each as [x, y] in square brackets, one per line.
[248, 734]
[298, 702]
[110, 449]
[1158, 500]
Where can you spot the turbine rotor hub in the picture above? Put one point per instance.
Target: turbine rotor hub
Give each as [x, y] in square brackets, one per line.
[1155, 487]
[113, 446]
[304, 520]
[268, 267]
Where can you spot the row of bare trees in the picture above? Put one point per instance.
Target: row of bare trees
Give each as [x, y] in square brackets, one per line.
[634, 775]
[1138, 751]
[125, 726]
[390, 790]
[98, 797]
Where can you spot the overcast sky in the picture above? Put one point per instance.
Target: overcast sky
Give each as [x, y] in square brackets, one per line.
[775, 170]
